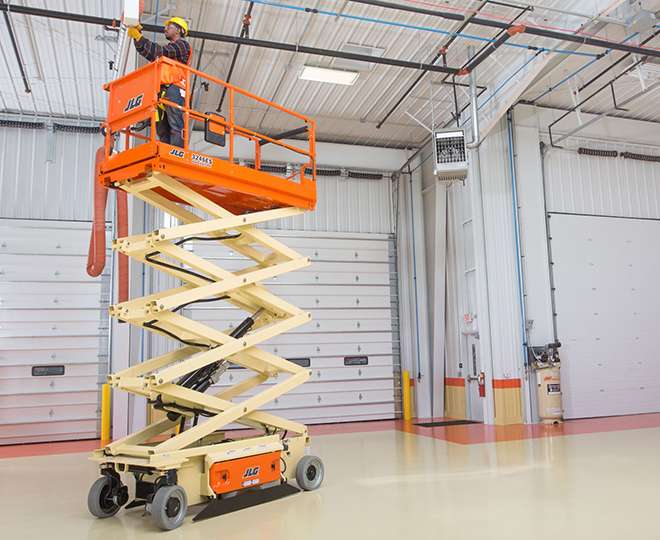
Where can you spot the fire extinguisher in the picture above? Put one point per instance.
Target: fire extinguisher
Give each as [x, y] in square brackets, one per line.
[482, 384]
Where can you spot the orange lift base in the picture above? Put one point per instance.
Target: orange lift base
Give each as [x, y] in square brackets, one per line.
[245, 473]
[237, 188]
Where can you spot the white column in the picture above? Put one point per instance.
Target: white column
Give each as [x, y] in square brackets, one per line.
[439, 279]
[483, 302]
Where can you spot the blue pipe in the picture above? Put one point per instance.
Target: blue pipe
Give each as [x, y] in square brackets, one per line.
[506, 81]
[415, 27]
[585, 66]
[414, 254]
[516, 230]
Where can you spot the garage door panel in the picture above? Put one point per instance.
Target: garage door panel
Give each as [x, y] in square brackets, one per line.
[329, 241]
[323, 379]
[378, 383]
[49, 289]
[331, 338]
[321, 249]
[52, 317]
[45, 399]
[348, 290]
[48, 414]
[48, 431]
[349, 268]
[614, 365]
[71, 370]
[45, 268]
[338, 361]
[315, 255]
[609, 401]
[315, 326]
[231, 315]
[54, 384]
[309, 302]
[51, 356]
[345, 413]
[54, 240]
[52, 301]
[608, 305]
[330, 399]
[299, 279]
[50, 343]
[295, 351]
[53, 329]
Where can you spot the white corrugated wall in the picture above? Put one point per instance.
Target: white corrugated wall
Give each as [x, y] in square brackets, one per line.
[599, 209]
[460, 269]
[46, 174]
[604, 214]
[501, 263]
[581, 184]
[461, 287]
[354, 205]
[501, 253]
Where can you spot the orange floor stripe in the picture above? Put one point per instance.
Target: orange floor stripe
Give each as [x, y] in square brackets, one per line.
[48, 449]
[466, 434]
[480, 434]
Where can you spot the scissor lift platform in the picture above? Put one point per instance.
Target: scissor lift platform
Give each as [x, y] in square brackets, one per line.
[237, 188]
[185, 457]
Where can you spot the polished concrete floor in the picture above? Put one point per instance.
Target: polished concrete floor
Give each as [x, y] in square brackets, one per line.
[386, 482]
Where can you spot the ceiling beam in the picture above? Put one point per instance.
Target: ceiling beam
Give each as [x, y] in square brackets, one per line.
[531, 30]
[237, 40]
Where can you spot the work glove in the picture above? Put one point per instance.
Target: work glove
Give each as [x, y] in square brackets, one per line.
[134, 32]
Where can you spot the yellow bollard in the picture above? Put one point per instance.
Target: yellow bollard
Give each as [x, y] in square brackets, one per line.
[405, 394]
[105, 414]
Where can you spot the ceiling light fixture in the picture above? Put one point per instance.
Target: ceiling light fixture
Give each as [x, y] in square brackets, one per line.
[327, 75]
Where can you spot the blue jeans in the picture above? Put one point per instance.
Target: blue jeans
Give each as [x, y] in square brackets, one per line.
[170, 125]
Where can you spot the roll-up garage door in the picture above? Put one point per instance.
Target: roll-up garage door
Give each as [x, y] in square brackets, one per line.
[351, 345]
[53, 332]
[608, 304]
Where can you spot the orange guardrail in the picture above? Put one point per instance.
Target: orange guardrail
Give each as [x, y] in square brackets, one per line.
[135, 98]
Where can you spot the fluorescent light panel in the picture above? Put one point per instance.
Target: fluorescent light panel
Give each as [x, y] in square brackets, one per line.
[327, 75]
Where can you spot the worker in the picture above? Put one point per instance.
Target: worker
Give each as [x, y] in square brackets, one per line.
[173, 79]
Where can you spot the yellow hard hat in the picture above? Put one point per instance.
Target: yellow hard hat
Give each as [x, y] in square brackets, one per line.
[179, 22]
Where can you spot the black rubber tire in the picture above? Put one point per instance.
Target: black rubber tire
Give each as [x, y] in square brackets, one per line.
[99, 501]
[169, 507]
[309, 473]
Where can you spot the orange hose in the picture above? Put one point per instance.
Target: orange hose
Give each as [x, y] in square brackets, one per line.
[96, 252]
[122, 230]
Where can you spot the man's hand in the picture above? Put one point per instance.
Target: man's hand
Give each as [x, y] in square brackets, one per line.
[134, 32]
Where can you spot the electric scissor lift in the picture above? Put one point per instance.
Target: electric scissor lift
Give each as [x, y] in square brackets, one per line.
[185, 458]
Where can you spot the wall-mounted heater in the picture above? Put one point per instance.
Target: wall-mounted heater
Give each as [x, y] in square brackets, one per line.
[450, 154]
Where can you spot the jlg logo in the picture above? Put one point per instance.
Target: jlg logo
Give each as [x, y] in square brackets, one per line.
[251, 471]
[177, 153]
[134, 103]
